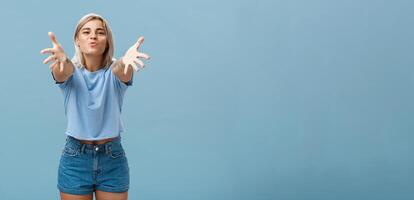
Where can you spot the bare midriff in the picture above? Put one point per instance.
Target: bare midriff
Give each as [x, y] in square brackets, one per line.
[97, 141]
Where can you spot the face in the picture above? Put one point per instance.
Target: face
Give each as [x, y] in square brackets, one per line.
[91, 38]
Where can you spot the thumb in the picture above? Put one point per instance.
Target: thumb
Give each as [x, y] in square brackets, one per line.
[61, 65]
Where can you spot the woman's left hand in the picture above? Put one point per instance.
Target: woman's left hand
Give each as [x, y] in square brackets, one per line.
[132, 56]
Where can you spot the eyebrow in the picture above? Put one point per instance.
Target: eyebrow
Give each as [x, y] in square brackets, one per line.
[98, 29]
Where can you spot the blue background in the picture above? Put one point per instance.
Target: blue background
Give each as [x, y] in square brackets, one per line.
[243, 100]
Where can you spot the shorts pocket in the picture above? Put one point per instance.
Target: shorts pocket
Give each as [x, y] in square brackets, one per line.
[69, 151]
[116, 152]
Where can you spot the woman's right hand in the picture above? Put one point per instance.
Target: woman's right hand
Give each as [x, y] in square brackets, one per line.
[57, 53]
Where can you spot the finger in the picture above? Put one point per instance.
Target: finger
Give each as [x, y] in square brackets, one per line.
[139, 42]
[47, 50]
[139, 62]
[134, 66]
[48, 59]
[61, 66]
[143, 55]
[53, 64]
[126, 69]
[53, 38]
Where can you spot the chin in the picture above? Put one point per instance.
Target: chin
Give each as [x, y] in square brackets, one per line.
[93, 53]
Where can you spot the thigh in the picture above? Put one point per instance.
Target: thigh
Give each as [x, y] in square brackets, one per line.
[101, 195]
[65, 196]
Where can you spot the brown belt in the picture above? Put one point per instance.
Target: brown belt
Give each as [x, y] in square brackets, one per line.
[96, 141]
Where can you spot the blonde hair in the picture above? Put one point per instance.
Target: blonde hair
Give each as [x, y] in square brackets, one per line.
[108, 54]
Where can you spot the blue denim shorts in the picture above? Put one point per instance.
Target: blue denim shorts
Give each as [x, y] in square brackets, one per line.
[85, 168]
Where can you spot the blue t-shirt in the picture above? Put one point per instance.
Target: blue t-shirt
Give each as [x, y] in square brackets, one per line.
[93, 103]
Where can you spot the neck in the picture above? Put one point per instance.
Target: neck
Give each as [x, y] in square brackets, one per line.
[92, 63]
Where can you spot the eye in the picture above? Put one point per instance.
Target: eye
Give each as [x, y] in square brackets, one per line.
[101, 33]
[85, 32]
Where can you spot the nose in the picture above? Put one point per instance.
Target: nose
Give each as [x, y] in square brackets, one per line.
[93, 36]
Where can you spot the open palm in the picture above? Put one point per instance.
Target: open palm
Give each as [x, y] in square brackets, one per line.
[131, 57]
[57, 53]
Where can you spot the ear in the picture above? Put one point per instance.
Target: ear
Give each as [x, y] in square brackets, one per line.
[77, 42]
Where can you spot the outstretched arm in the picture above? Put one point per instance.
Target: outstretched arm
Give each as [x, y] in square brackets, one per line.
[62, 68]
[130, 59]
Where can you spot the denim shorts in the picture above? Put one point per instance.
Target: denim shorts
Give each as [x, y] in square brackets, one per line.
[85, 168]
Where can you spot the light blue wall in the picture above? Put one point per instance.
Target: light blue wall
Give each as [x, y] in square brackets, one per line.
[242, 100]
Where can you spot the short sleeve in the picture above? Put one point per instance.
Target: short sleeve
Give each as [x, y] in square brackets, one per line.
[63, 84]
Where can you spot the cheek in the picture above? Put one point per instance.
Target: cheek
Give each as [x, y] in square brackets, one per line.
[83, 46]
[82, 42]
[103, 41]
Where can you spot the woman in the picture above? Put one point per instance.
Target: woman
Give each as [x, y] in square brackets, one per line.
[93, 86]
